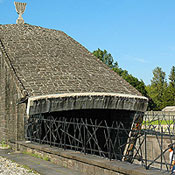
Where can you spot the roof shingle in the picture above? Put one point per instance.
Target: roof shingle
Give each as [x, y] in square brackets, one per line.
[50, 62]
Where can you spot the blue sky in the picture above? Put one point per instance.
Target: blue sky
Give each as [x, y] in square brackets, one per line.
[140, 34]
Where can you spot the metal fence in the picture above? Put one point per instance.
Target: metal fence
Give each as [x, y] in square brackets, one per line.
[90, 136]
[158, 130]
[112, 140]
[154, 156]
[158, 119]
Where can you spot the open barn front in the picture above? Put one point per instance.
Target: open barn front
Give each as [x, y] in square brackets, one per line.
[102, 132]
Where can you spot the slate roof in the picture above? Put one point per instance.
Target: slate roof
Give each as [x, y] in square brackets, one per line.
[47, 61]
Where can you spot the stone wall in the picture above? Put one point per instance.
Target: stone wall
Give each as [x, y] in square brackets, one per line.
[87, 164]
[11, 114]
[2, 98]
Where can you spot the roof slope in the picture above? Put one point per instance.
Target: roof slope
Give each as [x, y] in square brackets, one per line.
[50, 62]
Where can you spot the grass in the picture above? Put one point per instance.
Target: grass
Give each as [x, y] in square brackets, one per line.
[159, 122]
[3, 144]
[37, 156]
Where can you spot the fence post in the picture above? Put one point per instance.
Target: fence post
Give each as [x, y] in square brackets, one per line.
[50, 132]
[64, 133]
[161, 146]
[40, 131]
[145, 152]
[84, 138]
[110, 151]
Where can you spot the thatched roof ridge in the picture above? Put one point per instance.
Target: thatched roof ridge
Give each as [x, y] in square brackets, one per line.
[73, 101]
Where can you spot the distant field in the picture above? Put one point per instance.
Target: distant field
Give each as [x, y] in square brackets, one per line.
[159, 122]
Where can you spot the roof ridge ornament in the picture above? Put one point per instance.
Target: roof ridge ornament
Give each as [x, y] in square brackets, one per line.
[20, 8]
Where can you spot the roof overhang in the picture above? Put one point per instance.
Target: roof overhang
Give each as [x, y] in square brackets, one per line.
[75, 101]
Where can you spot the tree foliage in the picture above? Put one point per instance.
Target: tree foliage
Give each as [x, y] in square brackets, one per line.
[105, 57]
[171, 87]
[160, 91]
[172, 77]
[156, 89]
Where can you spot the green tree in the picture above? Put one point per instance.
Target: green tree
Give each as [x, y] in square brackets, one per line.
[157, 90]
[171, 87]
[105, 57]
[151, 104]
[172, 76]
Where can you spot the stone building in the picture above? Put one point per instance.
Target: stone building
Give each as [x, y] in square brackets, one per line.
[45, 71]
[169, 109]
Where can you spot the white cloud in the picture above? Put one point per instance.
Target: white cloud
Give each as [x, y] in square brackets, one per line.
[130, 58]
[141, 60]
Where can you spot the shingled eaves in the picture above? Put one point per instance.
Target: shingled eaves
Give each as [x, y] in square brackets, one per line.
[73, 101]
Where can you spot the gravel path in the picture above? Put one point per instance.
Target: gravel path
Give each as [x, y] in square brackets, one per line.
[7, 167]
